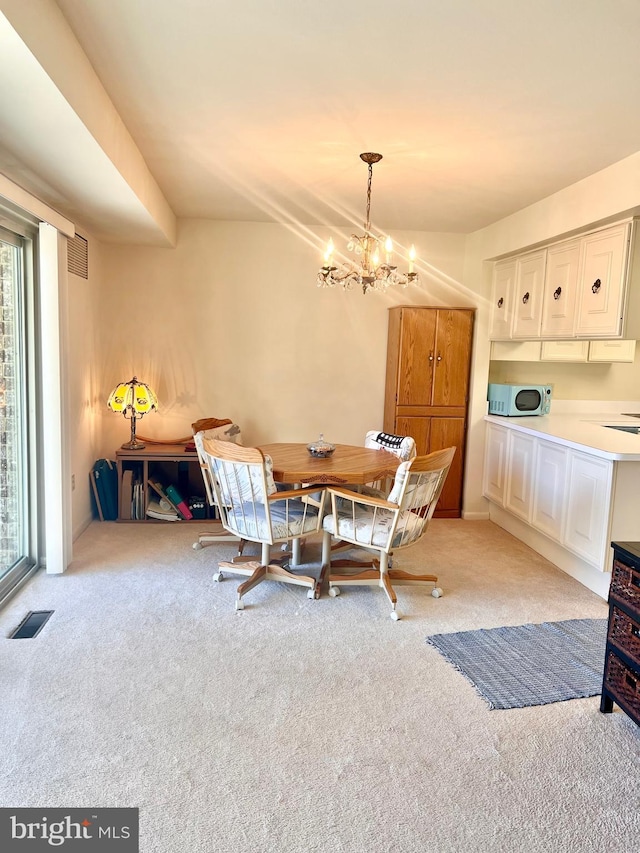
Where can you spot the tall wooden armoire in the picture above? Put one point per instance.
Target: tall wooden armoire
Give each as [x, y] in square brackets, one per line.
[427, 386]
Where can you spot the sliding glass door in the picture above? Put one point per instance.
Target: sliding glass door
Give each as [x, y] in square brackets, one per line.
[17, 518]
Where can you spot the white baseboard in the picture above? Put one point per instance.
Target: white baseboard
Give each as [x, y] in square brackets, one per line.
[475, 516]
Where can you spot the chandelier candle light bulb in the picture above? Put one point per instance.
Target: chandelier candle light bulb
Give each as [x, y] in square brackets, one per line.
[370, 273]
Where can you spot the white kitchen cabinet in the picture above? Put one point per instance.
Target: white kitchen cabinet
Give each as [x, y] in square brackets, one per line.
[520, 471]
[601, 284]
[564, 493]
[564, 351]
[550, 488]
[589, 486]
[560, 290]
[502, 294]
[575, 351]
[572, 289]
[515, 351]
[528, 293]
[495, 463]
[612, 351]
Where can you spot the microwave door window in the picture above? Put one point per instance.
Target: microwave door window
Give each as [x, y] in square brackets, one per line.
[528, 401]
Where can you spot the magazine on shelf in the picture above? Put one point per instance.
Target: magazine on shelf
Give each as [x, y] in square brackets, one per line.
[156, 510]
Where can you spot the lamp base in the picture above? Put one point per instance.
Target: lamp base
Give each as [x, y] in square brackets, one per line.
[134, 444]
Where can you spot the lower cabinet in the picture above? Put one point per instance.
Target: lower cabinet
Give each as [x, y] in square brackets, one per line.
[589, 485]
[435, 433]
[550, 477]
[562, 492]
[495, 463]
[520, 470]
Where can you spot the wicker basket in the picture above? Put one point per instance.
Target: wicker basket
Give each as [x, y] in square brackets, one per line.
[624, 632]
[625, 585]
[623, 683]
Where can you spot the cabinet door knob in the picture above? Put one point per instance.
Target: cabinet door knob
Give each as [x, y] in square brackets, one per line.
[525, 298]
[595, 287]
[439, 359]
[557, 292]
[500, 302]
[430, 356]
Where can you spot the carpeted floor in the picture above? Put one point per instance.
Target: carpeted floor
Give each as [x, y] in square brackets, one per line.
[300, 725]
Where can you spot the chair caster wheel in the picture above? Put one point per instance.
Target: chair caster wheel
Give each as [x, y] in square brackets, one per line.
[395, 615]
[197, 546]
[334, 591]
[436, 592]
[239, 604]
[218, 577]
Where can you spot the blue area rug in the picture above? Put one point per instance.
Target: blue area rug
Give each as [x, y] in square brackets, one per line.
[514, 667]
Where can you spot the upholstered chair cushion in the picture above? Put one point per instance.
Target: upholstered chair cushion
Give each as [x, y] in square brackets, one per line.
[368, 526]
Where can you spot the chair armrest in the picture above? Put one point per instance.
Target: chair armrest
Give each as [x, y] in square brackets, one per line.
[358, 498]
[295, 493]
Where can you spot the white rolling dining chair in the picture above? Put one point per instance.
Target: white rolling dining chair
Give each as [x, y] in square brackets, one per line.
[402, 446]
[223, 429]
[379, 525]
[251, 508]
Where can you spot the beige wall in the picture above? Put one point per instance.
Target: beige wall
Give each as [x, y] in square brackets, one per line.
[84, 401]
[231, 324]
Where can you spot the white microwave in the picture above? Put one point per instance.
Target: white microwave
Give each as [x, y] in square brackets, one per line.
[518, 400]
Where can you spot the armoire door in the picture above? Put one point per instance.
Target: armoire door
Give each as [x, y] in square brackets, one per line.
[415, 367]
[449, 432]
[419, 429]
[452, 358]
[431, 434]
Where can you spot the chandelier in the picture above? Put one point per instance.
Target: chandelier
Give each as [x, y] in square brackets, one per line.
[370, 273]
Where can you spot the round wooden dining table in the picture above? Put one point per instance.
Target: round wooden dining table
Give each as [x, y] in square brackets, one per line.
[348, 464]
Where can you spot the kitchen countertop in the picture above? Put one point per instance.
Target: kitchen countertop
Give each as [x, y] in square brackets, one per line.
[583, 431]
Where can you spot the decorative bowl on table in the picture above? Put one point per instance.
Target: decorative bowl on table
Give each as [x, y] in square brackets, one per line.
[320, 448]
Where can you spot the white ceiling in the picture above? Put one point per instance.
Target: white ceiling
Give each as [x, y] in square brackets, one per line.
[258, 109]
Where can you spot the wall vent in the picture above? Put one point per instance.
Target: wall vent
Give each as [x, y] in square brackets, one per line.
[78, 256]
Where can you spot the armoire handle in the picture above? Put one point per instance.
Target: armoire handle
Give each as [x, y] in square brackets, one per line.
[595, 287]
[500, 302]
[525, 298]
[557, 292]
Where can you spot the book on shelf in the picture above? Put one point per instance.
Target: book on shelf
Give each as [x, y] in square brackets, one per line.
[177, 500]
[126, 494]
[155, 509]
[171, 495]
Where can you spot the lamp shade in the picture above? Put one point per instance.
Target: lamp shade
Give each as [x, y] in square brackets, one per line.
[133, 399]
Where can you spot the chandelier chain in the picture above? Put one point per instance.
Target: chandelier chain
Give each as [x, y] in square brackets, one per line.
[367, 224]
